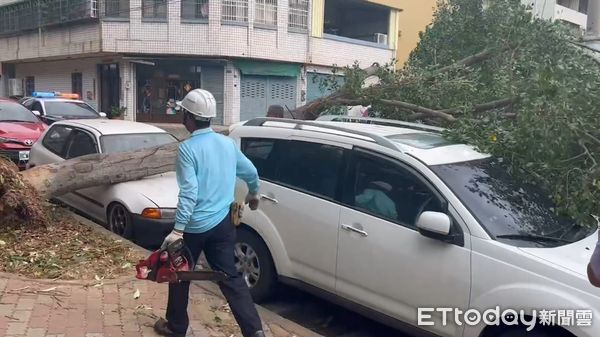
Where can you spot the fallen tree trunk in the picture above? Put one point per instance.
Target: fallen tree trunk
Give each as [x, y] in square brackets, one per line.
[99, 169]
[22, 194]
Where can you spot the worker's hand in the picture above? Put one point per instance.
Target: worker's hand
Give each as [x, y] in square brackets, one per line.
[172, 237]
[252, 200]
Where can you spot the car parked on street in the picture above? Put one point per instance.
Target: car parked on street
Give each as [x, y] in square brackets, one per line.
[52, 107]
[19, 129]
[142, 210]
[386, 217]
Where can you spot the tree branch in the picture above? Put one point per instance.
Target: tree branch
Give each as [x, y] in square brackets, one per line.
[404, 105]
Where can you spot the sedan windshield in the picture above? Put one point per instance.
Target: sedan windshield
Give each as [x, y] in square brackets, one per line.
[133, 142]
[13, 112]
[69, 109]
[509, 211]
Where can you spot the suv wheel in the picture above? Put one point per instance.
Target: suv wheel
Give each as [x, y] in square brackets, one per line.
[253, 260]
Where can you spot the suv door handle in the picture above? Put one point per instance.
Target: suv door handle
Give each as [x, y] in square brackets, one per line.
[271, 199]
[355, 230]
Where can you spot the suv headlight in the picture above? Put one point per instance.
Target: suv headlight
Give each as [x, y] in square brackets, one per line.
[159, 213]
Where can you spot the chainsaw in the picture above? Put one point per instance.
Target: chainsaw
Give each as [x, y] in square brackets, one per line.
[174, 264]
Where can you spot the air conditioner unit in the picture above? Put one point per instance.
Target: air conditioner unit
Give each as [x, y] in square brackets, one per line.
[15, 87]
[381, 38]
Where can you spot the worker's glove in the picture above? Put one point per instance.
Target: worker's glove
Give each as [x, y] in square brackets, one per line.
[252, 200]
[172, 237]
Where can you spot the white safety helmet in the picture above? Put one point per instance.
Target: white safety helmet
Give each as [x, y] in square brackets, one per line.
[200, 103]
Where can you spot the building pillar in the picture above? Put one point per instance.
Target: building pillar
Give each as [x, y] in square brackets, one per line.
[231, 104]
[128, 89]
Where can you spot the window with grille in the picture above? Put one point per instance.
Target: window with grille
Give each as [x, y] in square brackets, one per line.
[234, 10]
[116, 8]
[77, 84]
[154, 9]
[194, 9]
[266, 12]
[298, 14]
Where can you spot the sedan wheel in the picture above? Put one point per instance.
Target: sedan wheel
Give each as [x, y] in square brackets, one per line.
[119, 220]
[246, 262]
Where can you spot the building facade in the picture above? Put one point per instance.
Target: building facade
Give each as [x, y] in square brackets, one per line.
[142, 55]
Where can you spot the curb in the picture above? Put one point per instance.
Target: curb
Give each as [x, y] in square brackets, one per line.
[213, 288]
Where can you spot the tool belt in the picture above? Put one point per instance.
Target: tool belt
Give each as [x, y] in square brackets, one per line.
[236, 212]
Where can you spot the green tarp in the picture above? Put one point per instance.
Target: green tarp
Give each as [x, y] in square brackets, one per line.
[248, 67]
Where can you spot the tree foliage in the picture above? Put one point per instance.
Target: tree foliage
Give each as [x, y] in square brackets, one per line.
[514, 86]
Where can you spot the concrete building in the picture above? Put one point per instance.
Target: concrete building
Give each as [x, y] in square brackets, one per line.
[141, 54]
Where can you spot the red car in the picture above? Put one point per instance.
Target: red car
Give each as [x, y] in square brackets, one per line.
[19, 129]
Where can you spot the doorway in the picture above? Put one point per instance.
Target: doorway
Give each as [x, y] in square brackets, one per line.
[110, 86]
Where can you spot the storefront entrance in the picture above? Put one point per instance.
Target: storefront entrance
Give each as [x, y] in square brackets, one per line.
[160, 86]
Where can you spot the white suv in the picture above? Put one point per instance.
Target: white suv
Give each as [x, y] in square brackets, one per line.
[387, 217]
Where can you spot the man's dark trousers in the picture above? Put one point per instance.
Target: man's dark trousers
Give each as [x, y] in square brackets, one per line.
[218, 246]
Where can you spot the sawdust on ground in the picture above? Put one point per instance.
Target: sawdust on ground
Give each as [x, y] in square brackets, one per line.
[63, 249]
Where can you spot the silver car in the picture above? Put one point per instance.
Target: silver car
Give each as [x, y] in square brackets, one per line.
[142, 210]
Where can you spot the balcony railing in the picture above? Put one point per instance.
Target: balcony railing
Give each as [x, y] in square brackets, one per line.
[32, 14]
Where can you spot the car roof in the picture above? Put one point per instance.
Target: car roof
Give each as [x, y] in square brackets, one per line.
[420, 141]
[113, 127]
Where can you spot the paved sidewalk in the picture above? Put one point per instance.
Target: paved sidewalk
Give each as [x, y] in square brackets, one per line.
[32, 308]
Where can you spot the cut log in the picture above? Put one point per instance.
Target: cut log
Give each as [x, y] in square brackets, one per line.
[100, 169]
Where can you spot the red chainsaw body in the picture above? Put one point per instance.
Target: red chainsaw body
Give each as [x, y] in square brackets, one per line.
[162, 266]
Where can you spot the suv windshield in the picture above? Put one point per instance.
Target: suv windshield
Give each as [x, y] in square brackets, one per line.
[69, 108]
[511, 212]
[13, 112]
[133, 142]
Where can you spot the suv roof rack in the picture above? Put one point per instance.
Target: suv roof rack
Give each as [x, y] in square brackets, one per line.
[260, 121]
[379, 121]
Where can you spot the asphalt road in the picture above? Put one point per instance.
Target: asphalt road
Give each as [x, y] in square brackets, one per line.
[323, 317]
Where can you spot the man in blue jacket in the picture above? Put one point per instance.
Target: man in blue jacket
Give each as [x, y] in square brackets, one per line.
[207, 166]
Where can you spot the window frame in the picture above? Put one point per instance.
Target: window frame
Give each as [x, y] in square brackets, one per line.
[350, 180]
[29, 85]
[228, 17]
[263, 9]
[77, 84]
[70, 142]
[197, 12]
[279, 145]
[119, 14]
[301, 14]
[155, 5]
[62, 153]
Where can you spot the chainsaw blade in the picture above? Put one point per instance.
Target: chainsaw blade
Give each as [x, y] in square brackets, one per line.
[202, 275]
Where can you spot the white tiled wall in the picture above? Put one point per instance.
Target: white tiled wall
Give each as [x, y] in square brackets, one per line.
[56, 76]
[75, 40]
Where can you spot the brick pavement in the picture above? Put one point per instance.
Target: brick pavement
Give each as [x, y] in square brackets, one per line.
[33, 308]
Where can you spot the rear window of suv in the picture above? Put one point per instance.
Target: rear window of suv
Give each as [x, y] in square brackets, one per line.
[310, 167]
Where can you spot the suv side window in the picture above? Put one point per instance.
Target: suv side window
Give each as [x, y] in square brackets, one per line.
[80, 144]
[262, 154]
[386, 189]
[311, 167]
[56, 139]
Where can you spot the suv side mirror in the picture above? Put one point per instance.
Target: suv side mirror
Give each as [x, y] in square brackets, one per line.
[102, 114]
[437, 226]
[37, 113]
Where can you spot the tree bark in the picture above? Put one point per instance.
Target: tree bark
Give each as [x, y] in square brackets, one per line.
[100, 169]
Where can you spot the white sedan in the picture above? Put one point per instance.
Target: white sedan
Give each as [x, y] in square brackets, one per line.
[142, 210]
